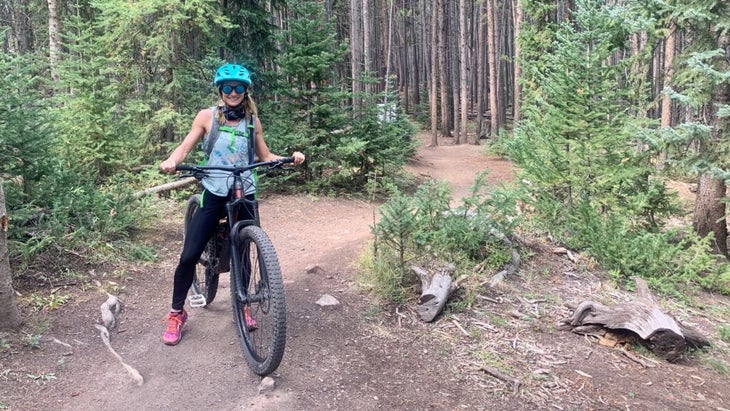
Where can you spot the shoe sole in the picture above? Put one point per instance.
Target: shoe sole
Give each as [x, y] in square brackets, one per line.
[171, 343]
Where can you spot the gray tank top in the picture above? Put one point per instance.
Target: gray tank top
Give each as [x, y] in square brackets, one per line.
[232, 148]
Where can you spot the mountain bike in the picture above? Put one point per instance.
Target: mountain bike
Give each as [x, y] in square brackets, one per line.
[242, 247]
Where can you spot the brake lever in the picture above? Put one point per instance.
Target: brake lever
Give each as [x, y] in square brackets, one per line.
[198, 174]
[279, 165]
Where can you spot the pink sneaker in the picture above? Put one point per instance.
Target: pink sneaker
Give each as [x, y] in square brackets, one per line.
[250, 321]
[175, 322]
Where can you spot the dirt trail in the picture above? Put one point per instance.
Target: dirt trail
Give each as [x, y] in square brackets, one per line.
[336, 358]
[348, 357]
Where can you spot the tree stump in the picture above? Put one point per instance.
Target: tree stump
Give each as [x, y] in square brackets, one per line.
[662, 334]
[435, 291]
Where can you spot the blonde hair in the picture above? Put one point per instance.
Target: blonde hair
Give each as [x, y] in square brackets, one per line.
[249, 107]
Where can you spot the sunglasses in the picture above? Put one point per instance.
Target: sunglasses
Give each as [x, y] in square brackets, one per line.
[227, 89]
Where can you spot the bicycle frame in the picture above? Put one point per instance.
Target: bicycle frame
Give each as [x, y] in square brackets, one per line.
[238, 200]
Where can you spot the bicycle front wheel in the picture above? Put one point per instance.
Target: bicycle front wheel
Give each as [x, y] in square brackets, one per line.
[257, 295]
[205, 280]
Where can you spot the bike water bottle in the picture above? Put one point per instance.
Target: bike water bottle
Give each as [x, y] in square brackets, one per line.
[237, 188]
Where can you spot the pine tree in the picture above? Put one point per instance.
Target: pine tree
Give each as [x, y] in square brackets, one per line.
[311, 110]
[703, 87]
[577, 143]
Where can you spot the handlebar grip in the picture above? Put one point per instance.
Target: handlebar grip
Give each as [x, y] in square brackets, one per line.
[286, 160]
[183, 167]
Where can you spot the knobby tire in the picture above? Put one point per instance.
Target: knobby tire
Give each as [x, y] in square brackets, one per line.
[258, 284]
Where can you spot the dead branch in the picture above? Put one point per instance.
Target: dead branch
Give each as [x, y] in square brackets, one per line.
[506, 378]
[634, 358]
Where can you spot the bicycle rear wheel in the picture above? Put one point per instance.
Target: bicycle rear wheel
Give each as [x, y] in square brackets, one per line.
[205, 280]
[257, 287]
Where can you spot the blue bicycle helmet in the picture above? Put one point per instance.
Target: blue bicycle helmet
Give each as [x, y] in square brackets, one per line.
[232, 72]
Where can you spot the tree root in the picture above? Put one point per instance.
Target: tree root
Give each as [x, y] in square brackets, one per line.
[109, 311]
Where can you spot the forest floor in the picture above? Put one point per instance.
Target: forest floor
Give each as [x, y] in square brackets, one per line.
[356, 355]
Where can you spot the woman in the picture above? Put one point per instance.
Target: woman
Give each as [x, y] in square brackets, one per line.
[230, 146]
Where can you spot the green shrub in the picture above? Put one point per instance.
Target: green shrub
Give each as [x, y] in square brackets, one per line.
[423, 229]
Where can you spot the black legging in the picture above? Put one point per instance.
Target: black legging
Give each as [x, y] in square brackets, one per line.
[201, 228]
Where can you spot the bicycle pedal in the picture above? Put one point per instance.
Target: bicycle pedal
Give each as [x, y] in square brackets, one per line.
[197, 300]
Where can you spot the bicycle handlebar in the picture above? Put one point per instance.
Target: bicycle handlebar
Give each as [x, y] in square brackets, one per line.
[235, 170]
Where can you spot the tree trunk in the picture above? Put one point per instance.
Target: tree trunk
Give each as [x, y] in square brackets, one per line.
[434, 70]
[356, 54]
[415, 68]
[503, 90]
[6, 15]
[388, 45]
[516, 59]
[453, 71]
[443, 75]
[709, 212]
[493, 68]
[481, 68]
[54, 47]
[463, 71]
[367, 47]
[9, 314]
[666, 119]
[22, 27]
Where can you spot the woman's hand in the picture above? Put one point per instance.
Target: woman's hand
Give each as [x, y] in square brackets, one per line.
[298, 158]
[168, 166]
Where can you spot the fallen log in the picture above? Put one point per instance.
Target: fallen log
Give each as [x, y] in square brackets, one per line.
[659, 332]
[165, 187]
[435, 291]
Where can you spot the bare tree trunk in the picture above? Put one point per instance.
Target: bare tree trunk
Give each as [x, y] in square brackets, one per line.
[443, 75]
[367, 44]
[356, 54]
[516, 60]
[481, 69]
[387, 49]
[402, 60]
[493, 68]
[464, 59]
[501, 25]
[9, 314]
[453, 61]
[54, 47]
[666, 119]
[416, 66]
[434, 70]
